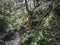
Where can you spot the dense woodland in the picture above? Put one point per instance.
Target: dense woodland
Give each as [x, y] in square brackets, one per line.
[29, 22]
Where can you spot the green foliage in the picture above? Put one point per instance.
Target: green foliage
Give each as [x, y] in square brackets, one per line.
[7, 12]
[47, 33]
[44, 34]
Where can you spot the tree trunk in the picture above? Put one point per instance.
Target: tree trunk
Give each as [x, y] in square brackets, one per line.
[26, 4]
[17, 38]
[18, 35]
